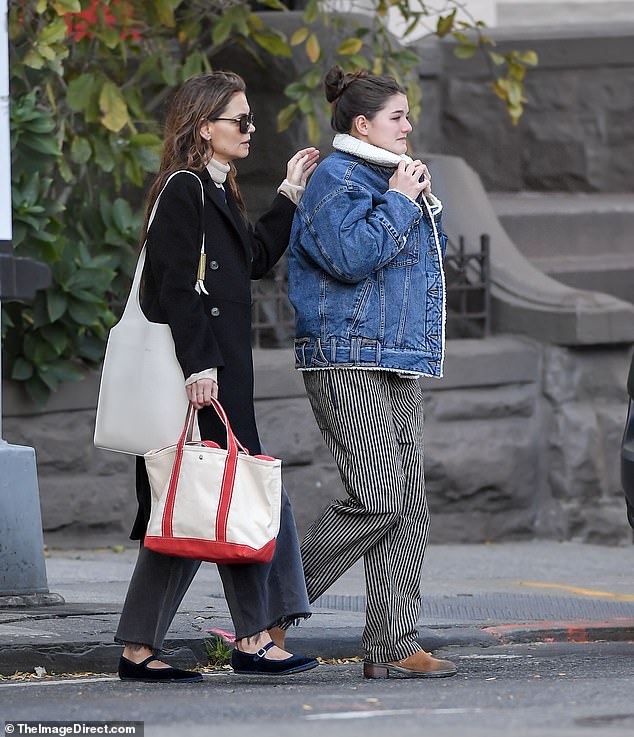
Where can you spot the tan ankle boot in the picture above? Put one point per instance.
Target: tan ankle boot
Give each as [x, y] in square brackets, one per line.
[418, 665]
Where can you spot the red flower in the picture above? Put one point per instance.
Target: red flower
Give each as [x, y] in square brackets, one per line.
[79, 25]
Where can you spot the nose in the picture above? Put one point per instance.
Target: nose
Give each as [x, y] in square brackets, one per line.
[407, 128]
[252, 128]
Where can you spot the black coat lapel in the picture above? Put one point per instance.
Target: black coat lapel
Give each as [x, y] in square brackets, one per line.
[229, 211]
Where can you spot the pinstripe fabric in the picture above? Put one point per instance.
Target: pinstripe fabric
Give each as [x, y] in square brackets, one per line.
[372, 421]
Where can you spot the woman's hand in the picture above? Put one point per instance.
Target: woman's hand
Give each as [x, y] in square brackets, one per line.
[411, 179]
[301, 166]
[200, 392]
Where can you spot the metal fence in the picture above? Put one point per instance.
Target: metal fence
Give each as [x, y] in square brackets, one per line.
[468, 284]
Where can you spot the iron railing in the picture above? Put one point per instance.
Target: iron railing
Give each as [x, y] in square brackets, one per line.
[468, 285]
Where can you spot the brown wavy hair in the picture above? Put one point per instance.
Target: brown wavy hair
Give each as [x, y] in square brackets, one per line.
[202, 97]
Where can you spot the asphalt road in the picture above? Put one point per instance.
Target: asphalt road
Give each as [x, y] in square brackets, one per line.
[543, 690]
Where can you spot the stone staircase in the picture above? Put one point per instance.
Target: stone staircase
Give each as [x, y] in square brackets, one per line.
[562, 12]
[583, 240]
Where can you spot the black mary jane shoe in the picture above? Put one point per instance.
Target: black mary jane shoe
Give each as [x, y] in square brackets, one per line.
[257, 664]
[129, 671]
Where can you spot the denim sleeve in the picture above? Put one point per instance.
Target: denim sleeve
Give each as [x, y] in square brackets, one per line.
[349, 235]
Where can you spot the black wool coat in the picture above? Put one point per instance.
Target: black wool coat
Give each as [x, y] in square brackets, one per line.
[211, 330]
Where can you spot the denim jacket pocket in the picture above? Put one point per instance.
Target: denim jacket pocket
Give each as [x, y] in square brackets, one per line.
[410, 255]
[361, 306]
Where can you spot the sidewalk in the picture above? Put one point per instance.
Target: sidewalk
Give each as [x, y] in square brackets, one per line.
[473, 595]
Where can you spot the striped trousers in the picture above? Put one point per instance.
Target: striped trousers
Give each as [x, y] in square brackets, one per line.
[372, 421]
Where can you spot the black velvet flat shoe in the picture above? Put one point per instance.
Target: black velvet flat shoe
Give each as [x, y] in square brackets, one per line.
[129, 671]
[257, 664]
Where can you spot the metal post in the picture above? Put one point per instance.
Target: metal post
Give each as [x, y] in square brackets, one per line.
[6, 232]
[22, 569]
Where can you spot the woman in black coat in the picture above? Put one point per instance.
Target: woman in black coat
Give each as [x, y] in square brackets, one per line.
[209, 124]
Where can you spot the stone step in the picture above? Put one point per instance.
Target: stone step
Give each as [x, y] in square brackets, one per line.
[584, 240]
[563, 13]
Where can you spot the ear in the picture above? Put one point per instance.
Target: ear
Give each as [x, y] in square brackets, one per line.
[360, 125]
[206, 129]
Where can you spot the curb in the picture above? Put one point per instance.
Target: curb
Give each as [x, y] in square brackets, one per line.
[328, 643]
[618, 630]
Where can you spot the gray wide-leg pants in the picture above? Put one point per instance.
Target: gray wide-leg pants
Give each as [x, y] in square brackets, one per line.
[259, 595]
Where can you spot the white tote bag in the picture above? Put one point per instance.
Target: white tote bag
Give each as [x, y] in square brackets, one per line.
[142, 396]
[213, 504]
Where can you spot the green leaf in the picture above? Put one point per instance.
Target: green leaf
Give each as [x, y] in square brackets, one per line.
[286, 116]
[103, 155]
[113, 107]
[81, 90]
[80, 151]
[497, 59]
[273, 4]
[530, 58]
[445, 24]
[66, 6]
[313, 128]
[350, 46]
[165, 11]
[42, 144]
[56, 304]
[83, 312]
[91, 348]
[300, 35]
[56, 336]
[273, 42]
[33, 59]
[311, 12]
[62, 370]
[22, 369]
[52, 32]
[37, 390]
[313, 49]
[465, 51]
[122, 214]
[194, 64]
[222, 30]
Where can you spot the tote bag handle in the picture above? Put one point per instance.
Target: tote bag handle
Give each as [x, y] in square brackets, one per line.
[228, 477]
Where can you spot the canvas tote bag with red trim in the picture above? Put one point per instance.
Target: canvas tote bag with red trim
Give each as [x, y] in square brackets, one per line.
[213, 504]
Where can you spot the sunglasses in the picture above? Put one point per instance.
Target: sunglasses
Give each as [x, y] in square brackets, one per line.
[245, 121]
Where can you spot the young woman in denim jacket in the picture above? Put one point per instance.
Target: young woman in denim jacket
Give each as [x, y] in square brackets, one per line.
[366, 281]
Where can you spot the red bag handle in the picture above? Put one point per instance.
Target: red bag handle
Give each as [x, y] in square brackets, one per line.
[228, 477]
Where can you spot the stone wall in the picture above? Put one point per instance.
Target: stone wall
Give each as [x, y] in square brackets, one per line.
[521, 440]
[576, 133]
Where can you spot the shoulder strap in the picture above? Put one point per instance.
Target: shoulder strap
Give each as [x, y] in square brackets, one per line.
[202, 261]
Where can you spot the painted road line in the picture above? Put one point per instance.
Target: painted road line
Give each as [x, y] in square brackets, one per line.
[66, 681]
[387, 713]
[493, 657]
[577, 590]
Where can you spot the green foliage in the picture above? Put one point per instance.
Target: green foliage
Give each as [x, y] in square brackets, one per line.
[87, 80]
[373, 47]
[218, 651]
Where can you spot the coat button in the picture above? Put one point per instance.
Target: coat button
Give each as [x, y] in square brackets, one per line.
[215, 312]
[213, 265]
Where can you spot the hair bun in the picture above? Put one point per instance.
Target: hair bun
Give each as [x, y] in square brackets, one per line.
[334, 83]
[337, 81]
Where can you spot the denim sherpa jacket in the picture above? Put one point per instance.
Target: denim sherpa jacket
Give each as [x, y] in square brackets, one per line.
[365, 268]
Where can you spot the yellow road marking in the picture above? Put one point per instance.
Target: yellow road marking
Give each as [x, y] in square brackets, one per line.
[577, 590]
